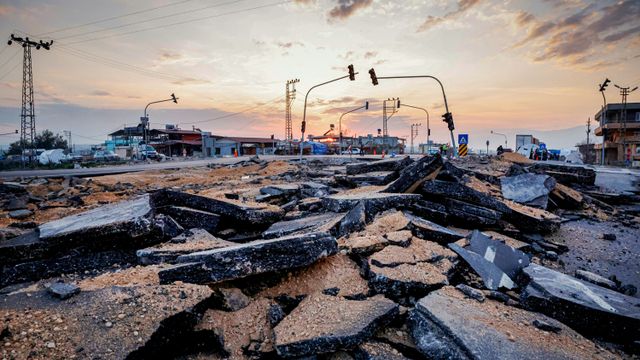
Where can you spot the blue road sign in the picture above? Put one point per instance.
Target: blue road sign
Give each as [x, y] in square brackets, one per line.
[543, 146]
[463, 139]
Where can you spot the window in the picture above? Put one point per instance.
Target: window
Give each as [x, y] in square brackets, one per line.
[638, 116]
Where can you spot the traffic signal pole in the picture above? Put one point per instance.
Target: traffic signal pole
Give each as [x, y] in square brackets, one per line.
[448, 117]
[304, 113]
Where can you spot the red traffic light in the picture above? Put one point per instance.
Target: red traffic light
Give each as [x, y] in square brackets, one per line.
[374, 78]
[352, 75]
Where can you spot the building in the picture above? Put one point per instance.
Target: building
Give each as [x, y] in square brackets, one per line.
[216, 145]
[172, 141]
[612, 129]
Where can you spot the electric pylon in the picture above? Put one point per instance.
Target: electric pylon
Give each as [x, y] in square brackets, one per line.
[290, 95]
[27, 114]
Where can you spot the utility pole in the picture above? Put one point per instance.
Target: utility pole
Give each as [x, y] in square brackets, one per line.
[27, 114]
[365, 106]
[388, 109]
[487, 147]
[290, 95]
[67, 133]
[428, 126]
[414, 134]
[588, 130]
[624, 92]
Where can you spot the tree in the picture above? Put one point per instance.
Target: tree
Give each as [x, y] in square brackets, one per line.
[45, 140]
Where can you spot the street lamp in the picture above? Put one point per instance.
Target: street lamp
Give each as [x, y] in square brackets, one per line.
[365, 106]
[505, 137]
[447, 117]
[603, 115]
[428, 128]
[145, 118]
[351, 76]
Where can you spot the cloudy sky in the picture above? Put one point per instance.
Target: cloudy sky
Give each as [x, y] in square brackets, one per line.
[506, 65]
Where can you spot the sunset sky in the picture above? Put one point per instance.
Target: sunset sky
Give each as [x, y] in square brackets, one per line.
[506, 65]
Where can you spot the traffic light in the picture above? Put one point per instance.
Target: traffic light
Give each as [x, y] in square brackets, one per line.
[398, 103]
[448, 118]
[366, 105]
[352, 74]
[304, 126]
[604, 85]
[175, 99]
[374, 78]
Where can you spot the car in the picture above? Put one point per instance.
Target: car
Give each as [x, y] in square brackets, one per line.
[354, 151]
[146, 152]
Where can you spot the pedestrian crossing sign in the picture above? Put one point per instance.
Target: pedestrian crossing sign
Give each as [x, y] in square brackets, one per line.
[463, 139]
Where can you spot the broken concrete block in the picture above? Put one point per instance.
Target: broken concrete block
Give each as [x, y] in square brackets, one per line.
[257, 257]
[190, 241]
[469, 215]
[62, 290]
[399, 238]
[374, 350]
[362, 244]
[565, 197]
[428, 230]
[531, 219]
[192, 218]
[314, 189]
[447, 325]
[595, 279]
[281, 190]
[116, 322]
[333, 272]
[414, 175]
[529, 189]
[371, 178]
[443, 190]
[586, 307]
[391, 164]
[324, 324]
[328, 222]
[354, 220]
[232, 213]
[431, 211]
[492, 276]
[374, 202]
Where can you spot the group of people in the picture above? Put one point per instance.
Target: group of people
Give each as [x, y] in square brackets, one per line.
[446, 150]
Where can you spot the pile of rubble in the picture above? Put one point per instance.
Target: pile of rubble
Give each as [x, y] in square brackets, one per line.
[328, 259]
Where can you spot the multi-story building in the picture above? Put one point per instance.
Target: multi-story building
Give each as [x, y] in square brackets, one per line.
[612, 129]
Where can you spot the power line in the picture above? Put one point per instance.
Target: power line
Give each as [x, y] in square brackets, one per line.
[233, 114]
[114, 18]
[10, 71]
[150, 20]
[182, 22]
[11, 58]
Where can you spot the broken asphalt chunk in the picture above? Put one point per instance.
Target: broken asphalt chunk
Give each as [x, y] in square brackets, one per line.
[508, 259]
[190, 241]
[371, 178]
[62, 290]
[232, 213]
[391, 164]
[428, 230]
[447, 325]
[324, 324]
[586, 307]
[374, 202]
[529, 189]
[492, 276]
[327, 222]
[252, 258]
[414, 175]
[192, 218]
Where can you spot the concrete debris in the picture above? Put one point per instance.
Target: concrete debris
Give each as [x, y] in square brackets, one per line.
[528, 189]
[242, 260]
[331, 257]
[324, 324]
[447, 325]
[589, 308]
[390, 164]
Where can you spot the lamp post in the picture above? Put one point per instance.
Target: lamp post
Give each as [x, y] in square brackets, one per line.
[505, 137]
[365, 106]
[351, 76]
[145, 118]
[447, 117]
[603, 116]
[428, 128]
